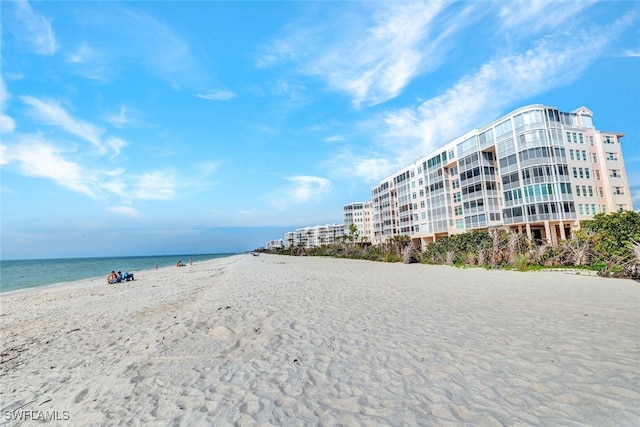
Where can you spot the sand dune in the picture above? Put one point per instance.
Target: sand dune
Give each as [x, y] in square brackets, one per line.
[276, 340]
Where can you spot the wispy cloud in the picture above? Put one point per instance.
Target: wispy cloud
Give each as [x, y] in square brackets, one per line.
[367, 168]
[163, 50]
[305, 188]
[125, 210]
[157, 185]
[301, 189]
[123, 117]
[372, 60]
[631, 53]
[38, 159]
[217, 95]
[116, 144]
[91, 63]
[335, 138]
[32, 28]
[406, 134]
[531, 16]
[50, 112]
[134, 35]
[7, 124]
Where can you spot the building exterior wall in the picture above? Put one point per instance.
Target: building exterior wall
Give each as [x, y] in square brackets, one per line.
[359, 213]
[314, 236]
[274, 244]
[536, 170]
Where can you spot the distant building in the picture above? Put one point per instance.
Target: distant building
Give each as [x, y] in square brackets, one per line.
[360, 214]
[315, 236]
[536, 170]
[274, 244]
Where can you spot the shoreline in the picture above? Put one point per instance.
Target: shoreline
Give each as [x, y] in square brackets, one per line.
[564, 270]
[274, 340]
[142, 270]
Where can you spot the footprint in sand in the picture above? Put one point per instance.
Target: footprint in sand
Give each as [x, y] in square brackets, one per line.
[205, 344]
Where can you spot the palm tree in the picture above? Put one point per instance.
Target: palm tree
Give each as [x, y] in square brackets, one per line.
[353, 233]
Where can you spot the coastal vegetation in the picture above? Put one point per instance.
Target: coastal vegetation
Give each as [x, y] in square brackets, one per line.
[608, 244]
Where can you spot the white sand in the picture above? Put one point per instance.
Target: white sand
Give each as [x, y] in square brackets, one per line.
[277, 340]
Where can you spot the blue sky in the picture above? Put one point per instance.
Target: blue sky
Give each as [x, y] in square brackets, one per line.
[189, 127]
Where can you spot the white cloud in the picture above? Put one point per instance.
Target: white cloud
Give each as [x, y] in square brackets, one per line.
[94, 64]
[307, 188]
[402, 136]
[631, 53]
[529, 16]
[124, 117]
[7, 124]
[372, 60]
[38, 159]
[217, 95]
[498, 84]
[207, 168]
[51, 113]
[117, 144]
[367, 168]
[82, 55]
[33, 29]
[158, 185]
[335, 138]
[164, 52]
[301, 189]
[125, 210]
[3, 155]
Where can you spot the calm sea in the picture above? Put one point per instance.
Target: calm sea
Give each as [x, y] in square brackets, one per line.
[22, 274]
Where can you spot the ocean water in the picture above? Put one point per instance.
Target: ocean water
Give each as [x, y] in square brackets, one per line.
[23, 274]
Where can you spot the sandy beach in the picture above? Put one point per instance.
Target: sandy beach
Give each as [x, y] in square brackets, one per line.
[304, 341]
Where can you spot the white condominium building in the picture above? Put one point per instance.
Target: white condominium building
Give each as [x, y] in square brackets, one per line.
[536, 170]
[274, 244]
[360, 214]
[318, 235]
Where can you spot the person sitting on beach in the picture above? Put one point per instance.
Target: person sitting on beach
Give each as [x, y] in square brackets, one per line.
[112, 278]
[119, 276]
[180, 264]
